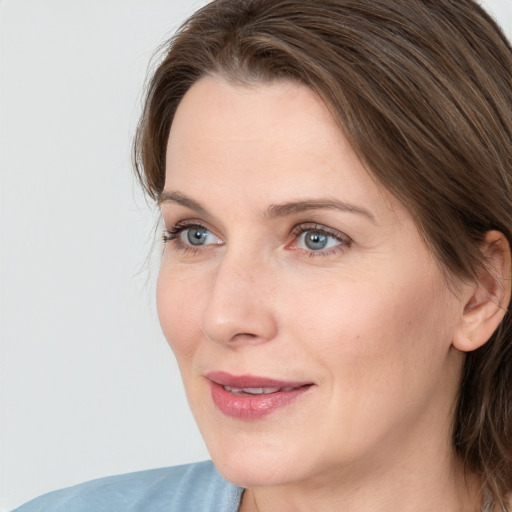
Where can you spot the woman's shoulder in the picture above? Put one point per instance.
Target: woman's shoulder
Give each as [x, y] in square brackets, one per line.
[188, 488]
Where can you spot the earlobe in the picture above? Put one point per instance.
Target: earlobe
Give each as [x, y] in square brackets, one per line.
[488, 299]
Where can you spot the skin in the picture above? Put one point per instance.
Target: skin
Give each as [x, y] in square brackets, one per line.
[370, 320]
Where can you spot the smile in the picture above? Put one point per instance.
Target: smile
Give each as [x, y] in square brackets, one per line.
[256, 391]
[252, 398]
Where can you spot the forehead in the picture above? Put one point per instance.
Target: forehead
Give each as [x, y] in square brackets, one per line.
[215, 109]
[277, 133]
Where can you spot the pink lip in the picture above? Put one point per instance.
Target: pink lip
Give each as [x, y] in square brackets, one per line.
[252, 407]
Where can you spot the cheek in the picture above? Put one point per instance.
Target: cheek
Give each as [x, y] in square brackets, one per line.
[373, 328]
[179, 303]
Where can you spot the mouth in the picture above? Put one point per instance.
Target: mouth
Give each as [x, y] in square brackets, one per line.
[249, 397]
[256, 391]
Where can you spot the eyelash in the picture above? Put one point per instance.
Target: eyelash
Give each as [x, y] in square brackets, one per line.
[173, 235]
[344, 241]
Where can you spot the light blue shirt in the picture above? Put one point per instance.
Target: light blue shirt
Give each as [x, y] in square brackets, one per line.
[189, 488]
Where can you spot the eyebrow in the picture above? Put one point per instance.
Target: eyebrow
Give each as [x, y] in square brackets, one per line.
[178, 198]
[274, 210]
[291, 208]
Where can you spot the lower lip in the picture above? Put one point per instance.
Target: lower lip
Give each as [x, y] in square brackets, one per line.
[252, 407]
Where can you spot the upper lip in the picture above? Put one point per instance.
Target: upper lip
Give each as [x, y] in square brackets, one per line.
[252, 381]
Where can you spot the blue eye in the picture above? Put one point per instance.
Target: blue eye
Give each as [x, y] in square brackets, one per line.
[315, 241]
[195, 235]
[319, 239]
[190, 235]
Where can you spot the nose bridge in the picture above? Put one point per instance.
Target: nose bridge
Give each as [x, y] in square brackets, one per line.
[238, 307]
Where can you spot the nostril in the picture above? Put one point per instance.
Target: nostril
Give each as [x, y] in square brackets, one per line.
[245, 336]
[232, 339]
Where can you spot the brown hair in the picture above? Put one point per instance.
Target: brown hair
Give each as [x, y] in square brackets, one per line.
[423, 91]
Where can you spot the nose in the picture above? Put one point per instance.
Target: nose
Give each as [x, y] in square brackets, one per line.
[239, 308]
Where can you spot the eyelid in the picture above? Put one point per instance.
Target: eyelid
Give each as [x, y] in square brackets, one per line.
[344, 240]
[188, 223]
[173, 235]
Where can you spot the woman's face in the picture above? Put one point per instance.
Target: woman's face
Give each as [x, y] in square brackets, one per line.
[311, 325]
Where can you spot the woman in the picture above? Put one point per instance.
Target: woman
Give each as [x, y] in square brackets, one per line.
[334, 179]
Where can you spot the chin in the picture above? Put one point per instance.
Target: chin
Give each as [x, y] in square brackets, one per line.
[250, 460]
[262, 459]
[256, 471]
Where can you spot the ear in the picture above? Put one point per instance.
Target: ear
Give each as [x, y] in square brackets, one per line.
[487, 300]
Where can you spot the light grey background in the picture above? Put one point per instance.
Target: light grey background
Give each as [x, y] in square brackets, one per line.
[88, 384]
